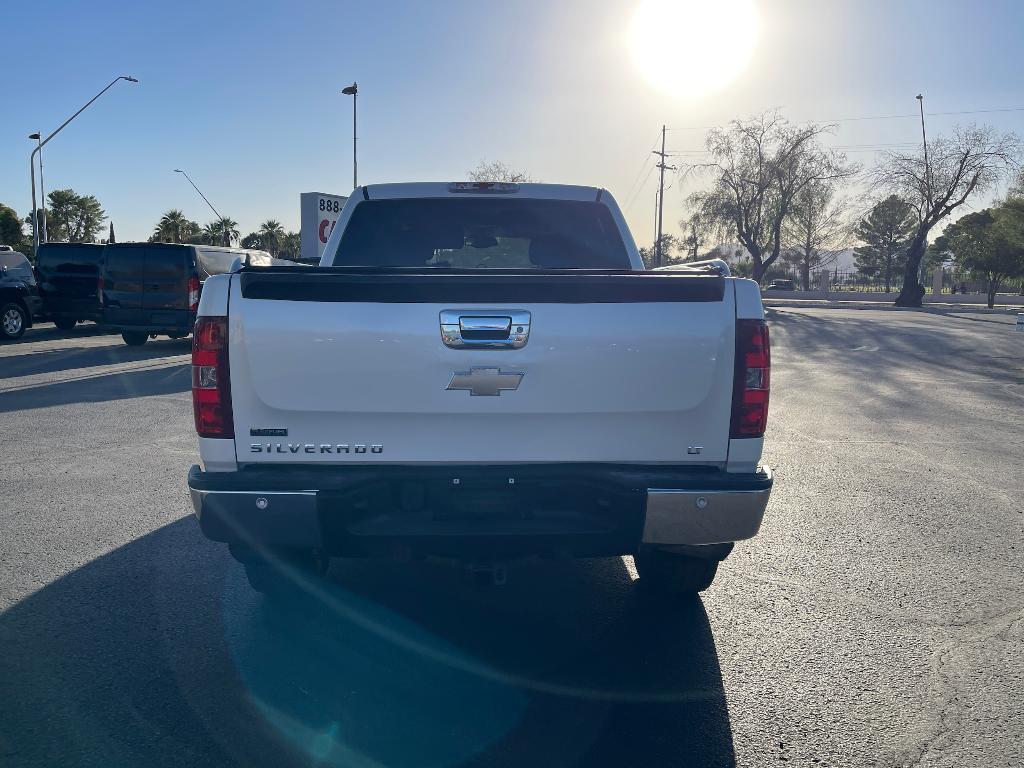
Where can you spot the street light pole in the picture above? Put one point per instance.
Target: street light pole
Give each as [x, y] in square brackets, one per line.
[353, 91]
[924, 142]
[42, 185]
[39, 148]
[220, 218]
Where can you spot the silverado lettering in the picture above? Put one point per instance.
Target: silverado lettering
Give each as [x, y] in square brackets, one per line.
[314, 448]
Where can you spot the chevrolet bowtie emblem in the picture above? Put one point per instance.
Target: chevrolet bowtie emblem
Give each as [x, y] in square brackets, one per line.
[485, 381]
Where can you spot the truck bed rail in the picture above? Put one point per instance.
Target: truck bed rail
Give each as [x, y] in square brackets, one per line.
[426, 286]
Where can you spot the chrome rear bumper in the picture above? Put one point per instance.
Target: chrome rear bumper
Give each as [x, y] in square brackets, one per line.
[594, 511]
[694, 516]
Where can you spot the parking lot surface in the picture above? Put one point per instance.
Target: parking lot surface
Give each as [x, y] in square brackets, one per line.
[876, 620]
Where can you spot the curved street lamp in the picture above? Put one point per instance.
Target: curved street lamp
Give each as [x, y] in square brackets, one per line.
[43, 142]
[227, 237]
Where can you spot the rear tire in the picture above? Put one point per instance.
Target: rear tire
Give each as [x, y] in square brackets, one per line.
[134, 338]
[668, 573]
[13, 321]
[281, 573]
[65, 323]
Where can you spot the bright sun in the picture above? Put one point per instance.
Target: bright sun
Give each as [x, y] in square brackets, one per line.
[688, 48]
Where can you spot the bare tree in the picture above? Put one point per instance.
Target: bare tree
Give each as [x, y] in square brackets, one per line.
[970, 162]
[1016, 188]
[498, 171]
[816, 231]
[760, 165]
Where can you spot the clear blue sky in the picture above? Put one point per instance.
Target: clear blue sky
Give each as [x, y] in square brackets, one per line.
[245, 95]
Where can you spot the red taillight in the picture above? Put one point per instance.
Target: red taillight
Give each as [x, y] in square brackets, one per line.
[99, 289]
[211, 385]
[751, 379]
[193, 293]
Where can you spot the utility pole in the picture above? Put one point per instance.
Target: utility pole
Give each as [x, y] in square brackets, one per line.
[657, 206]
[658, 255]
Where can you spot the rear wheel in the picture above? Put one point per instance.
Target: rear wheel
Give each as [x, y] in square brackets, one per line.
[134, 338]
[669, 573]
[65, 323]
[13, 320]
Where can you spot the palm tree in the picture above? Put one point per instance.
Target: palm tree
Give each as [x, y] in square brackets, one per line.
[172, 226]
[291, 246]
[229, 229]
[271, 234]
[221, 231]
[252, 240]
[211, 233]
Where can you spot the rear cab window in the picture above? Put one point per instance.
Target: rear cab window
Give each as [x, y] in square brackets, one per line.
[169, 261]
[66, 259]
[157, 259]
[467, 233]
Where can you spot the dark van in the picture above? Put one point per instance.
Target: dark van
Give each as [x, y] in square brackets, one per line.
[67, 282]
[152, 289]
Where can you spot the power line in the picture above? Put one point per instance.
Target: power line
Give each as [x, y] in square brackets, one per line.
[646, 160]
[879, 117]
[927, 114]
[639, 189]
[877, 147]
[633, 194]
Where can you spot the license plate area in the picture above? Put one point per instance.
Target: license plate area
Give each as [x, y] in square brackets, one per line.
[489, 510]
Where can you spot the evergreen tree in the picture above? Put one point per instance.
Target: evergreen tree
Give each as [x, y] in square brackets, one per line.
[885, 234]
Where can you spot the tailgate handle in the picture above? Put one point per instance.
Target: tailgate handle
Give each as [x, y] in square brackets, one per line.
[481, 329]
[485, 327]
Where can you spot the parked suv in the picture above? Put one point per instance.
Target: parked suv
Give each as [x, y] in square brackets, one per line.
[68, 274]
[19, 294]
[151, 289]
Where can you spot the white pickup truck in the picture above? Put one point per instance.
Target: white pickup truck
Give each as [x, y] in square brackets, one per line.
[481, 371]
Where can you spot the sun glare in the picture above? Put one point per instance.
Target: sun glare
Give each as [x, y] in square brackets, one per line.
[688, 48]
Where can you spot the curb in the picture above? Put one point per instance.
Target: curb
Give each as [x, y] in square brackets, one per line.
[938, 309]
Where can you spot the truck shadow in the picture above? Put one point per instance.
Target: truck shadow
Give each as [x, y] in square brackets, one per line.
[75, 357]
[159, 654]
[46, 331]
[118, 385]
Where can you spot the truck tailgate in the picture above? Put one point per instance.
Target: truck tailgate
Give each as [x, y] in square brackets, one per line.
[336, 366]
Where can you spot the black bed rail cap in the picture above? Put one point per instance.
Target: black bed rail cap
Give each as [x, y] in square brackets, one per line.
[414, 285]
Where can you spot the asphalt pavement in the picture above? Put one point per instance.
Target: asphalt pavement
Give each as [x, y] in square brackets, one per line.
[876, 620]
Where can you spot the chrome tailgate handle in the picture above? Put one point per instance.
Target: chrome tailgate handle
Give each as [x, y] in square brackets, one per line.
[483, 329]
[485, 324]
